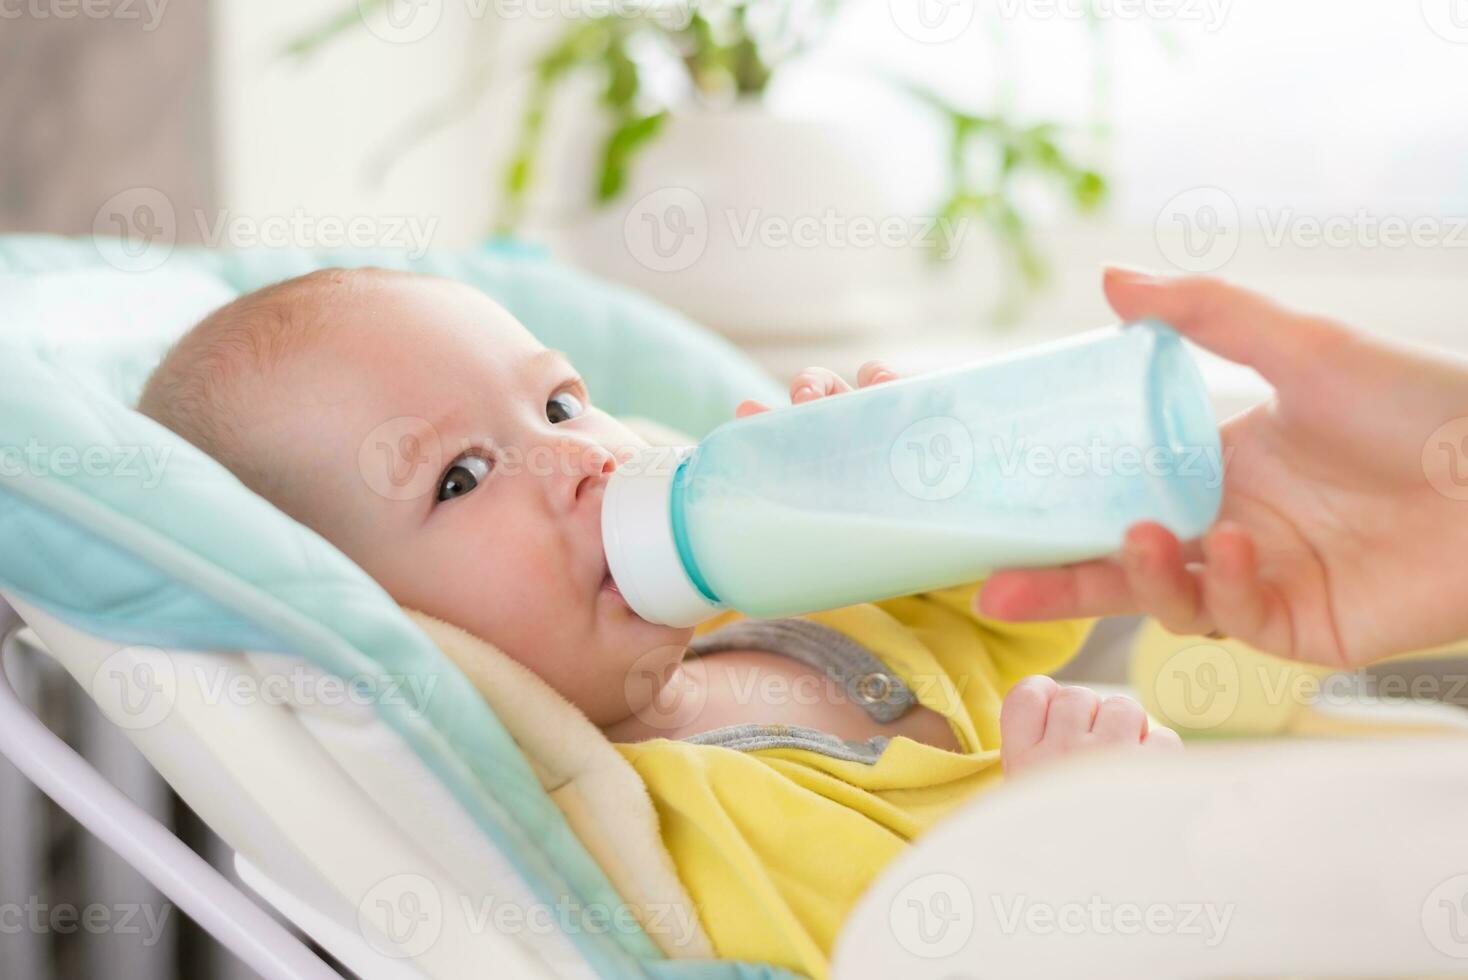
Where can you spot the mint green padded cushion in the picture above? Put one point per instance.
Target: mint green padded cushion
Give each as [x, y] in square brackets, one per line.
[177, 553]
[638, 357]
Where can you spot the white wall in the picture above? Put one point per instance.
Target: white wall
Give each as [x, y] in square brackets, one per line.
[1311, 110]
[304, 133]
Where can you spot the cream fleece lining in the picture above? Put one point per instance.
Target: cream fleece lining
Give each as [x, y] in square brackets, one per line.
[601, 795]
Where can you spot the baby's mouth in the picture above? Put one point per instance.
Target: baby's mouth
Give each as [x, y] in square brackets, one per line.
[609, 584]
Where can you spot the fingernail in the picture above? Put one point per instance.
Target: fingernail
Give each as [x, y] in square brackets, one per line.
[804, 391]
[1131, 274]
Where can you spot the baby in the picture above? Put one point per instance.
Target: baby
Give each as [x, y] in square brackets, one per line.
[777, 810]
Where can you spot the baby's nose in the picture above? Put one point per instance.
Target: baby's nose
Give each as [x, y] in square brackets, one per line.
[595, 465]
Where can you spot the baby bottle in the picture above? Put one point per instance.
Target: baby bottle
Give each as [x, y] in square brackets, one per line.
[1038, 458]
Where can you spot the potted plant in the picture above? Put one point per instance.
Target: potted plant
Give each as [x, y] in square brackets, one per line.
[699, 194]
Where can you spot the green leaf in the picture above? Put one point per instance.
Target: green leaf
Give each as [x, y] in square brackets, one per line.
[1089, 190]
[621, 146]
[349, 16]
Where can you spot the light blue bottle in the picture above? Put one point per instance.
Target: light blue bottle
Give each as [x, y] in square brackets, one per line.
[1038, 458]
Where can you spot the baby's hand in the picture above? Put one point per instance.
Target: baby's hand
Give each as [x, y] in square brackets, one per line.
[1041, 721]
[817, 382]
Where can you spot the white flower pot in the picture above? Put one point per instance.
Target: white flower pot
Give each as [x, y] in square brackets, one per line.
[754, 224]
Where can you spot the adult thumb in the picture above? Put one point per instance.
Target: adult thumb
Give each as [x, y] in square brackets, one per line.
[1234, 323]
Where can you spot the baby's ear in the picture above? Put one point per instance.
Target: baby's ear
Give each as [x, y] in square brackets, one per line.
[656, 433]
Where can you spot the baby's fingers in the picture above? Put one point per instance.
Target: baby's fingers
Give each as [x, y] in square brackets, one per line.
[1023, 715]
[750, 407]
[1162, 738]
[1120, 721]
[874, 373]
[816, 382]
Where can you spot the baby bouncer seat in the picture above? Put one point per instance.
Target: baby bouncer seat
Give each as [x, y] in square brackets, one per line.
[374, 798]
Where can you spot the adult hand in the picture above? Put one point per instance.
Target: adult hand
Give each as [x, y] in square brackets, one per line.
[1343, 535]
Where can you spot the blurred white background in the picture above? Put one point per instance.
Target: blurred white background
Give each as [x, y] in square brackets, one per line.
[1278, 144]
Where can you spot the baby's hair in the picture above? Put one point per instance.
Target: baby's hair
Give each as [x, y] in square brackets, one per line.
[197, 390]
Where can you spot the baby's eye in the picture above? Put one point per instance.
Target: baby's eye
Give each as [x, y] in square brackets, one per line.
[463, 476]
[563, 407]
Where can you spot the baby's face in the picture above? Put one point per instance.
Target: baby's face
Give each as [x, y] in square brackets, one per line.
[459, 462]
